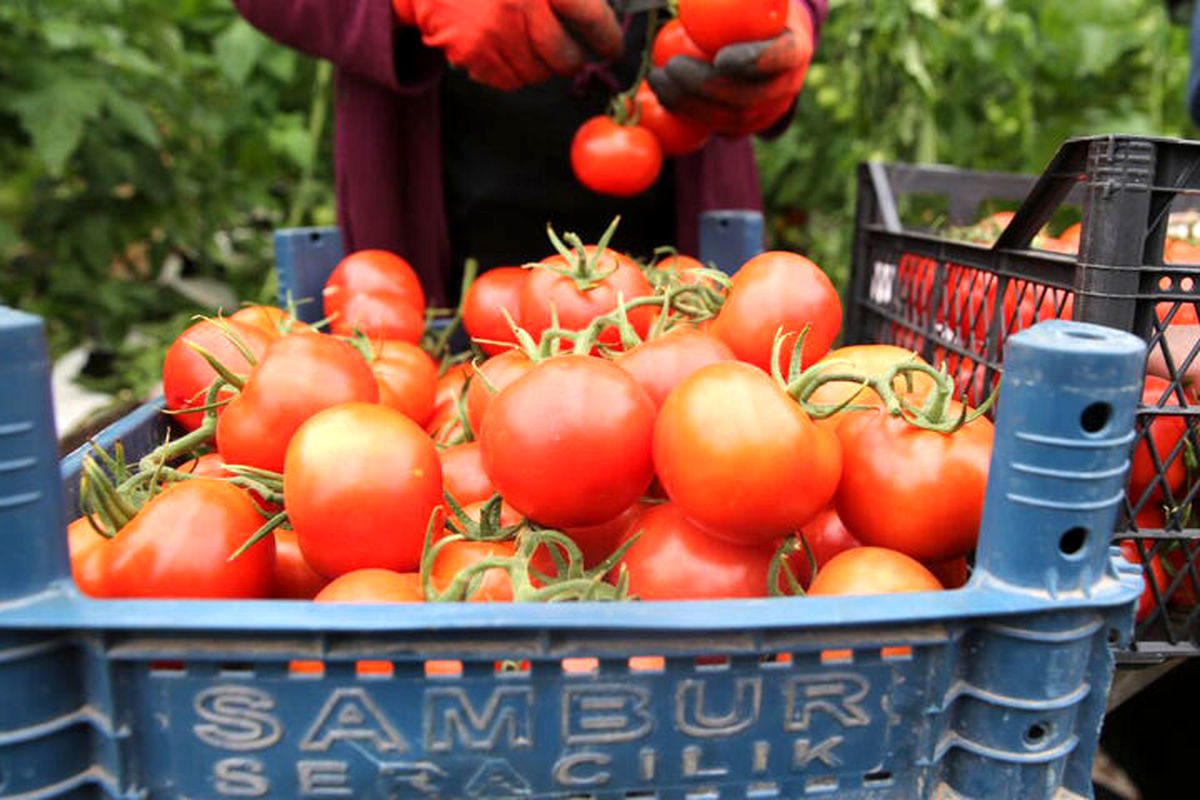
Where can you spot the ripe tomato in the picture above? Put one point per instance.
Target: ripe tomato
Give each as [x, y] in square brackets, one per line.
[916, 491]
[457, 556]
[741, 458]
[1184, 315]
[297, 377]
[270, 320]
[659, 365]
[568, 444]
[463, 475]
[873, 570]
[869, 360]
[1166, 431]
[211, 465]
[372, 271]
[827, 536]
[952, 574]
[1147, 602]
[373, 586]
[493, 293]
[682, 267]
[379, 315]
[187, 376]
[713, 24]
[620, 160]
[674, 559]
[777, 290]
[672, 40]
[492, 377]
[407, 379]
[293, 577]
[87, 549]
[178, 546]
[1181, 251]
[449, 390]
[360, 484]
[1071, 235]
[546, 291]
[599, 541]
[678, 136]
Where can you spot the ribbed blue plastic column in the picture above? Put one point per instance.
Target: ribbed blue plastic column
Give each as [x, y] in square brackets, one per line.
[29, 495]
[729, 239]
[1063, 433]
[304, 258]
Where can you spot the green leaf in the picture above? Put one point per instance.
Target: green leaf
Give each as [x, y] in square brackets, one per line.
[133, 118]
[55, 115]
[238, 49]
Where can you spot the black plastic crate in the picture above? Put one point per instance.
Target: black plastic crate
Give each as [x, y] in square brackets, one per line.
[917, 284]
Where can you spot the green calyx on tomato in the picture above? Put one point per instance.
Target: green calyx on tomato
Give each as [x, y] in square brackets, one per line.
[583, 265]
[488, 528]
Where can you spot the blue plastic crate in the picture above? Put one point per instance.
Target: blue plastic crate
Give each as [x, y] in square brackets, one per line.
[995, 690]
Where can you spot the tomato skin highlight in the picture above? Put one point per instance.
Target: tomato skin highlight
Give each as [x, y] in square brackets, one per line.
[379, 315]
[179, 544]
[660, 364]
[494, 292]
[872, 570]
[776, 290]
[360, 484]
[674, 559]
[373, 586]
[568, 444]
[715, 24]
[916, 491]
[372, 271]
[187, 376]
[463, 475]
[407, 378]
[298, 376]
[740, 458]
[618, 160]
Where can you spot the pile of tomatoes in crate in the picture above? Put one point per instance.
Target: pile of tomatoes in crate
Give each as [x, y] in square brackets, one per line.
[616, 431]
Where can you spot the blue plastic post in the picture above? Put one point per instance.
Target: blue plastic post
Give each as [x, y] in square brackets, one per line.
[305, 257]
[32, 528]
[1064, 429]
[729, 239]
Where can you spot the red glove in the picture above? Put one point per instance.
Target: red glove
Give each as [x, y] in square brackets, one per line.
[508, 44]
[749, 85]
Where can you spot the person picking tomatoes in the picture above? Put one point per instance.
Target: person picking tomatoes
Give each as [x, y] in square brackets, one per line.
[454, 121]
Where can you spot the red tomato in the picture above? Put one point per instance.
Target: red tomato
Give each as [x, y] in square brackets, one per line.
[674, 559]
[1147, 602]
[873, 570]
[659, 365]
[1179, 251]
[373, 586]
[407, 379]
[455, 557]
[741, 458]
[1071, 235]
[211, 465]
[672, 40]
[379, 315]
[1184, 315]
[546, 290]
[493, 293]
[372, 271]
[463, 475]
[678, 136]
[178, 546]
[1165, 433]
[868, 360]
[87, 553]
[916, 491]
[568, 444]
[620, 160]
[297, 377]
[492, 377]
[683, 268]
[827, 536]
[777, 290]
[187, 376]
[599, 541]
[714, 24]
[449, 390]
[360, 484]
[274, 322]
[952, 574]
[293, 577]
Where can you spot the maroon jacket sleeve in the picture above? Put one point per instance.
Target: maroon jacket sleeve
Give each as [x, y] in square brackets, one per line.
[358, 36]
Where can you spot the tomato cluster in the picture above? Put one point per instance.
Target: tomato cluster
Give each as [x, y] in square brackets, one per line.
[622, 431]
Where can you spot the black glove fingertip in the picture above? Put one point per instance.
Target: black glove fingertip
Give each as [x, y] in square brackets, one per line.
[665, 88]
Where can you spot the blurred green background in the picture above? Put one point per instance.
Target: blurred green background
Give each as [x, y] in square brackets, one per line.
[148, 149]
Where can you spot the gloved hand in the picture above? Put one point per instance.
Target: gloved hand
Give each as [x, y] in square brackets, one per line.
[747, 87]
[508, 44]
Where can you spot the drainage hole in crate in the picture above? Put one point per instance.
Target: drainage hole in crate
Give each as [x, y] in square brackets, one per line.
[877, 778]
[1071, 543]
[1095, 417]
[820, 784]
[443, 668]
[712, 662]
[314, 236]
[374, 669]
[837, 656]
[233, 669]
[581, 666]
[298, 667]
[1037, 733]
[512, 667]
[647, 664]
[899, 652]
[703, 793]
[167, 668]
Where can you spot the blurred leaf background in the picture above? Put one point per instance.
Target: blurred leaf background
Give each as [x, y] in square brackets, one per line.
[148, 149]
